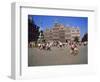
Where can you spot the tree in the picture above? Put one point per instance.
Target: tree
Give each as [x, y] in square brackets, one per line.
[76, 39]
[85, 37]
[33, 30]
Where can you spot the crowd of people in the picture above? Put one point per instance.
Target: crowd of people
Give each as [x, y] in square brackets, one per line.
[73, 46]
[48, 45]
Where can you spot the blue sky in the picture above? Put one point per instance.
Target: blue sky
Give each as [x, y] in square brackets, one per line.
[44, 21]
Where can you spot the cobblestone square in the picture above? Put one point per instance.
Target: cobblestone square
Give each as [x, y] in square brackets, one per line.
[56, 56]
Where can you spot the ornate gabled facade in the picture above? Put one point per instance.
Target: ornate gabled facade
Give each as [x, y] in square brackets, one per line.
[61, 33]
